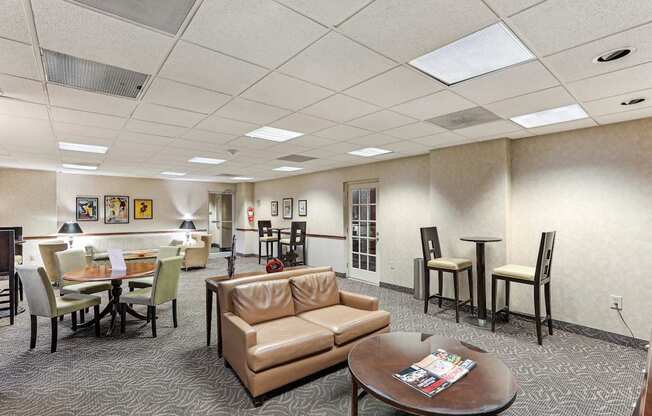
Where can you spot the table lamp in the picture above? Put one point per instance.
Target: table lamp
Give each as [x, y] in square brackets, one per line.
[70, 229]
[187, 225]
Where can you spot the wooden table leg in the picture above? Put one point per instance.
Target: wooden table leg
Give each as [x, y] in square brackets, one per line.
[218, 312]
[354, 397]
[209, 315]
[482, 292]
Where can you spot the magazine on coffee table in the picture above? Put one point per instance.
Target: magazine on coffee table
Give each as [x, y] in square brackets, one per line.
[436, 372]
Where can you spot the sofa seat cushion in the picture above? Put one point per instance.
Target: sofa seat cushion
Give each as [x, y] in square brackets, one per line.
[284, 340]
[347, 323]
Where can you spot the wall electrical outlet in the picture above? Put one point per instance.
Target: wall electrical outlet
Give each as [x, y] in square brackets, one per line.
[616, 302]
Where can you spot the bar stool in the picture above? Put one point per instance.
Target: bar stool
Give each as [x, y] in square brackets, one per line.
[432, 260]
[266, 235]
[534, 276]
[297, 238]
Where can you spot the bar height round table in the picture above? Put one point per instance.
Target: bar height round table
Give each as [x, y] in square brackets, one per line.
[480, 265]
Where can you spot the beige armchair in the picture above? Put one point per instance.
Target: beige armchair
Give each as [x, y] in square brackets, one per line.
[197, 255]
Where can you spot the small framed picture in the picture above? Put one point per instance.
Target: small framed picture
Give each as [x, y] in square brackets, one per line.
[143, 209]
[87, 208]
[287, 208]
[274, 208]
[116, 209]
[303, 208]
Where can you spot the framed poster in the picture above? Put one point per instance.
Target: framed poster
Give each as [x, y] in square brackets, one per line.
[116, 209]
[143, 209]
[303, 208]
[274, 208]
[287, 208]
[86, 208]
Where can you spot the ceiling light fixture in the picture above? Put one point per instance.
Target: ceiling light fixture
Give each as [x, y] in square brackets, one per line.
[80, 167]
[613, 55]
[287, 169]
[78, 147]
[552, 116]
[487, 50]
[633, 101]
[369, 152]
[242, 178]
[206, 160]
[273, 134]
[169, 173]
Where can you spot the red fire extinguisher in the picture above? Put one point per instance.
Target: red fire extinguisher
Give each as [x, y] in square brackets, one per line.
[250, 214]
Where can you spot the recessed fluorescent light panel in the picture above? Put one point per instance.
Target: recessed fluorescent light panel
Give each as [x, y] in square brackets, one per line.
[169, 173]
[287, 169]
[80, 167]
[487, 50]
[206, 160]
[273, 134]
[242, 178]
[369, 151]
[552, 116]
[78, 147]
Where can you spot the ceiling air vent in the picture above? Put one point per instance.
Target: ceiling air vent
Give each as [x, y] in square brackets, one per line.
[465, 118]
[296, 158]
[92, 76]
[164, 15]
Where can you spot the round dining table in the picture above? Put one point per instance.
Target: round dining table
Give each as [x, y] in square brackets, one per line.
[104, 272]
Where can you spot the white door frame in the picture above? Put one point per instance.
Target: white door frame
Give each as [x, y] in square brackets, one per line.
[358, 273]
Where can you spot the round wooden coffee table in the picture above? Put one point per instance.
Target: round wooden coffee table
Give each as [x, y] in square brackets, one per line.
[488, 389]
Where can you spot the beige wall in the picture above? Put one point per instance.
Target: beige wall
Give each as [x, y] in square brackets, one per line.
[28, 198]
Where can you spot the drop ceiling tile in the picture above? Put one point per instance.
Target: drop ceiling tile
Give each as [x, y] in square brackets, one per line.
[382, 120]
[302, 123]
[197, 146]
[614, 83]
[286, 92]
[404, 33]
[22, 89]
[624, 116]
[492, 129]
[250, 111]
[577, 63]
[14, 25]
[613, 104]
[414, 130]
[322, 152]
[22, 128]
[245, 142]
[340, 108]
[394, 87]
[441, 140]
[84, 118]
[18, 59]
[406, 147]
[204, 136]
[88, 101]
[532, 103]
[342, 132]
[141, 138]
[187, 97]
[506, 83]
[341, 148]
[166, 115]
[507, 8]
[329, 12]
[79, 31]
[158, 129]
[433, 105]
[310, 142]
[234, 75]
[225, 125]
[570, 125]
[552, 26]
[17, 108]
[373, 140]
[336, 62]
[67, 130]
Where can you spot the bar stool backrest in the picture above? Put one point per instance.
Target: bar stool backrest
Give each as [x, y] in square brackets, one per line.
[544, 260]
[298, 233]
[7, 254]
[265, 228]
[430, 243]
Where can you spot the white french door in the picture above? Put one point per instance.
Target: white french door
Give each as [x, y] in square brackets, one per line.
[363, 233]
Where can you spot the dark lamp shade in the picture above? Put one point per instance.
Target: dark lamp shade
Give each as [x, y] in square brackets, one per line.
[187, 225]
[70, 228]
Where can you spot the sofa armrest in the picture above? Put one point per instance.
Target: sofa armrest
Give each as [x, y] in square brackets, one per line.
[357, 301]
[238, 330]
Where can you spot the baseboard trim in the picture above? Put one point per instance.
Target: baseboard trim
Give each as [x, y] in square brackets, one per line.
[246, 255]
[563, 325]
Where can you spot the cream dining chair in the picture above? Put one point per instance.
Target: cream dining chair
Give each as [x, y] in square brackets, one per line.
[164, 252]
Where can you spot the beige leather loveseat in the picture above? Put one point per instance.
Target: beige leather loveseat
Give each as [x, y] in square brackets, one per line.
[279, 331]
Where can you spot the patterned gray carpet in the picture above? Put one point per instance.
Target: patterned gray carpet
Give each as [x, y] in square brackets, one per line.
[176, 374]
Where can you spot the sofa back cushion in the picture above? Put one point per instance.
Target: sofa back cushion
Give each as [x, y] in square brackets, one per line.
[314, 291]
[263, 301]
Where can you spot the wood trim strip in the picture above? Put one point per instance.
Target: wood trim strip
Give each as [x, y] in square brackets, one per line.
[45, 237]
[327, 236]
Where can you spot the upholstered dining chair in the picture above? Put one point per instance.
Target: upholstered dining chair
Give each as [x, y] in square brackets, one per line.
[43, 302]
[433, 260]
[48, 250]
[266, 235]
[163, 290]
[164, 252]
[534, 276]
[297, 238]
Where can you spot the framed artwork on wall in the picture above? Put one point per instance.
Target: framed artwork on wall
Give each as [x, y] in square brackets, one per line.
[143, 209]
[274, 208]
[116, 209]
[87, 208]
[287, 208]
[303, 208]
